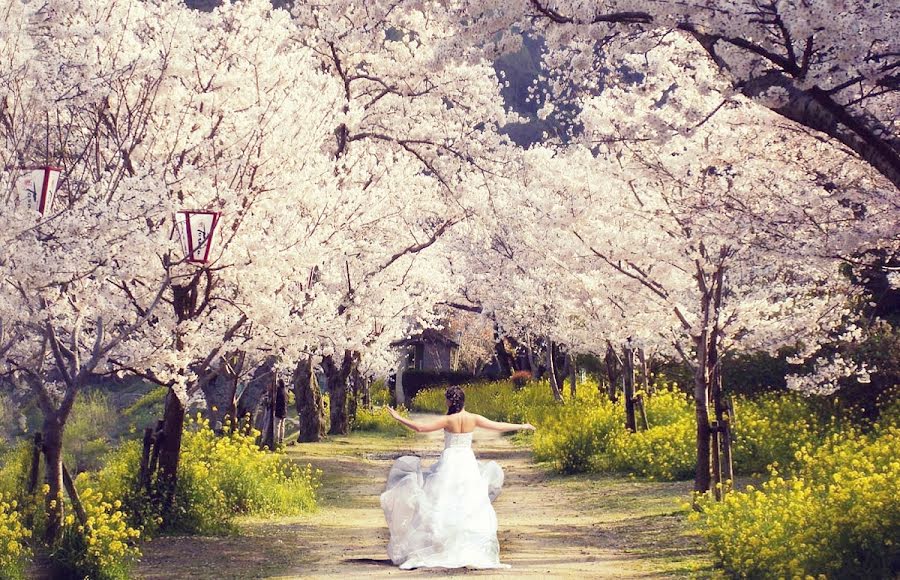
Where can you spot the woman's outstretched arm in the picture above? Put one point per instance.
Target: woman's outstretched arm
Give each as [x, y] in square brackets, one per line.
[501, 427]
[419, 427]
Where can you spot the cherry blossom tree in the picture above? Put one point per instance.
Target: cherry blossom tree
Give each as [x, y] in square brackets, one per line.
[828, 65]
[80, 280]
[726, 234]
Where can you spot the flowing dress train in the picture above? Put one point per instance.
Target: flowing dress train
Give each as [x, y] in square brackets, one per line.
[441, 516]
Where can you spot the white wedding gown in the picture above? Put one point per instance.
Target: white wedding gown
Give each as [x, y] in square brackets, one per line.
[442, 517]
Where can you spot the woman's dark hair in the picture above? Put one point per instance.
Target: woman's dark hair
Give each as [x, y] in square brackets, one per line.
[455, 399]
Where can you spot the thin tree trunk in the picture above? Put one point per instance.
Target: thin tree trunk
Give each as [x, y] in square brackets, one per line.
[645, 376]
[612, 372]
[355, 384]
[716, 482]
[399, 394]
[77, 506]
[552, 371]
[535, 368]
[573, 374]
[232, 375]
[367, 393]
[727, 462]
[35, 468]
[701, 401]
[718, 396]
[628, 370]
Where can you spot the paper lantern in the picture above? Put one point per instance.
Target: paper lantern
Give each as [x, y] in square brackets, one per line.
[196, 228]
[37, 187]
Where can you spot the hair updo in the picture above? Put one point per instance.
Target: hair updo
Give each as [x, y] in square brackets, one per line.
[455, 399]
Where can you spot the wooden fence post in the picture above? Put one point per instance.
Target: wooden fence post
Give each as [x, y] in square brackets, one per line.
[628, 388]
[73, 495]
[33, 475]
[158, 438]
[639, 402]
[144, 473]
[728, 442]
[35, 464]
[716, 465]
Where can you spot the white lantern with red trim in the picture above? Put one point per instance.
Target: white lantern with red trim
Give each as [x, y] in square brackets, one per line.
[37, 187]
[196, 228]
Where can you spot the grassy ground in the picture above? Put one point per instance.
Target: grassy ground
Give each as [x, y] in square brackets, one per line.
[550, 526]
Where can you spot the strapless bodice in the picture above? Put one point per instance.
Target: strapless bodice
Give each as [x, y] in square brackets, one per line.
[457, 439]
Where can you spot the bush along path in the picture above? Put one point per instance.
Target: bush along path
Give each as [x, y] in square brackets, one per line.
[587, 526]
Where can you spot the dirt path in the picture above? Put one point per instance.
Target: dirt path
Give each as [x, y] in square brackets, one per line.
[586, 527]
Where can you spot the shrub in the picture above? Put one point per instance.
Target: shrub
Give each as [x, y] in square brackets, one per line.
[668, 405]
[839, 516]
[14, 551]
[890, 408]
[119, 479]
[572, 437]
[665, 452]
[225, 476]
[220, 477]
[772, 428]
[102, 548]
[378, 420]
[519, 378]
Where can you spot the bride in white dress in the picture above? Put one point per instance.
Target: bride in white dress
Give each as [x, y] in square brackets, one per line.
[441, 516]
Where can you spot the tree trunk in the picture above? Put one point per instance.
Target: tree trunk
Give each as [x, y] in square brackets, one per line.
[504, 361]
[628, 370]
[53, 430]
[724, 468]
[267, 438]
[399, 394]
[612, 372]
[229, 377]
[256, 389]
[169, 445]
[310, 406]
[355, 383]
[367, 393]
[35, 465]
[645, 375]
[537, 370]
[337, 391]
[216, 390]
[573, 375]
[701, 401]
[727, 462]
[553, 372]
